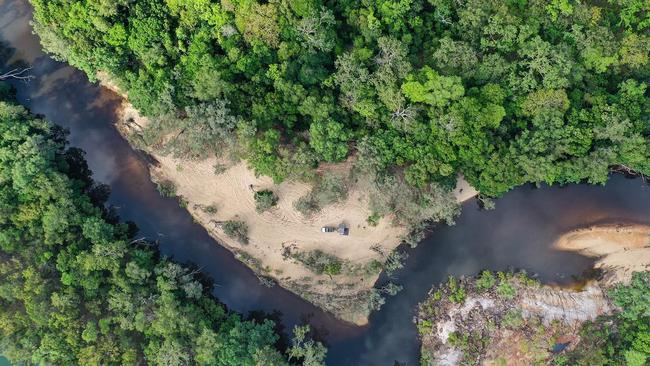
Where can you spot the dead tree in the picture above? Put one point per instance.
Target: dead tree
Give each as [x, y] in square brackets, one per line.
[622, 168]
[19, 74]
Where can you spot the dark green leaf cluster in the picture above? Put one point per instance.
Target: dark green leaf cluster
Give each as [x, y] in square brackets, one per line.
[619, 339]
[76, 289]
[506, 92]
[264, 200]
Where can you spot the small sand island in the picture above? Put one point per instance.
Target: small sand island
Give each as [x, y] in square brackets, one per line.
[510, 319]
[620, 249]
[283, 246]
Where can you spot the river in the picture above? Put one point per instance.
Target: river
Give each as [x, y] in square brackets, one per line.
[517, 234]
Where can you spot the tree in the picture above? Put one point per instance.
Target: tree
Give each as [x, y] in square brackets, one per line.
[76, 287]
[329, 140]
[264, 200]
[311, 352]
[428, 87]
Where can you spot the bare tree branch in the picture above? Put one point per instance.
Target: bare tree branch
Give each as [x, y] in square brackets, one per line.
[20, 74]
[622, 168]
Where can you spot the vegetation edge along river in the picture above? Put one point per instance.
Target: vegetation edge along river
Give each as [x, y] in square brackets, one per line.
[376, 106]
[507, 318]
[79, 287]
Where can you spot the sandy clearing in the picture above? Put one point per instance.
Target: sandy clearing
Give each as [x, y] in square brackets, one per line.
[271, 232]
[620, 249]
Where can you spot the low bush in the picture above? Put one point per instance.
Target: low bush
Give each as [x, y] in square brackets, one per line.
[237, 230]
[306, 206]
[485, 281]
[506, 290]
[167, 188]
[264, 200]
[320, 262]
[513, 319]
[328, 189]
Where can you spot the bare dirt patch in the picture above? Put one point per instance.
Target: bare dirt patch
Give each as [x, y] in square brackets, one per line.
[276, 234]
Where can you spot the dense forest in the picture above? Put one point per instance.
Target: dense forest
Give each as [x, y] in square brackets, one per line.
[504, 91]
[622, 338]
[77, 288]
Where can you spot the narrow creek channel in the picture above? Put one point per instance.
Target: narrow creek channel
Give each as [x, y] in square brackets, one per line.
[517, 234]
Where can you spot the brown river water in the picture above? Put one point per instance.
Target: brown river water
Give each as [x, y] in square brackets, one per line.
[517, 234]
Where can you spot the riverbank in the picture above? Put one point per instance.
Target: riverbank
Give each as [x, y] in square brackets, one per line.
[620, 249]
[279, 239]
[510, 319]
[504, 319]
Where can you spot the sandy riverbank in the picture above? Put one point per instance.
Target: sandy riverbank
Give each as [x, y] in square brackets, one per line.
[620, 249]
[276, 233]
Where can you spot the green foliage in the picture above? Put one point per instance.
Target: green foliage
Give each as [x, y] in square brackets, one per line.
[328, 189]
[210, 209]
[311, 352]
[485, 281]
[428, 87]
[320, 262]
[513, 319]
[236, 229]
[167, 188]
[391, 195]
[373, 220]
[394, 261]
[621, 338]
[329, 140]
[76, 289]
[506, 290]
[264, 200]
[508, 93]
[456, 289]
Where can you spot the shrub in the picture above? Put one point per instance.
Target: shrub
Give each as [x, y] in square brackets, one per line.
[328, 189]
[506, 290]
[237, 230]
[391, 289]
[513, 319]
[485, 281]
[375, 300]
[306, 206]
[219, 168]
[373, 220]
[457, 292]
[211, 210]
[264, 200]
[390, 194]
[374, 267]
[424, 326]
[394, 261]
[320, 262]
[332, 269]
[167, 188]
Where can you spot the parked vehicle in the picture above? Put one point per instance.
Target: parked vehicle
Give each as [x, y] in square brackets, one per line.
[343, 230]
[328, 229]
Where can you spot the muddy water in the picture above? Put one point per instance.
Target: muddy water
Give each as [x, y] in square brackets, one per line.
[518, 234]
